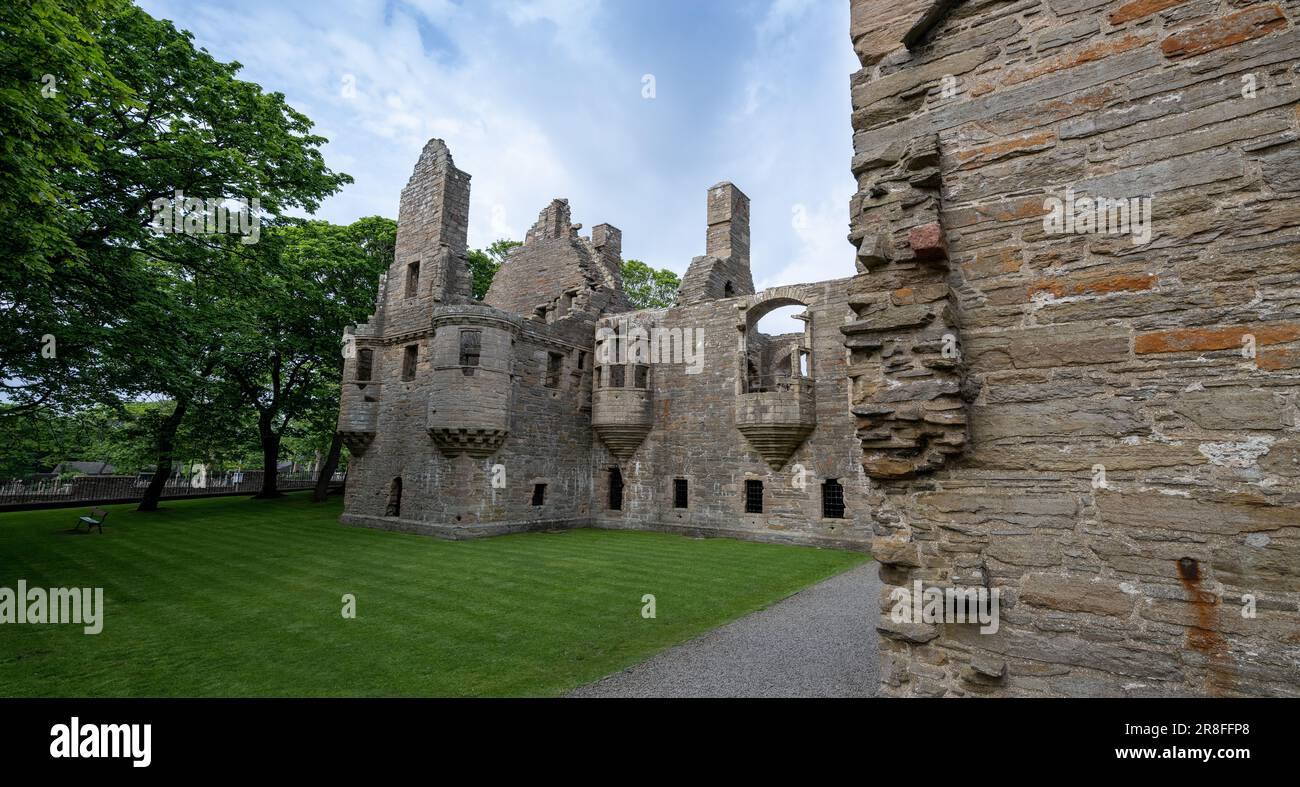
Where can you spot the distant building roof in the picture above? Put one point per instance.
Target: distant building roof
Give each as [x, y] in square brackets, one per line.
[89, 468]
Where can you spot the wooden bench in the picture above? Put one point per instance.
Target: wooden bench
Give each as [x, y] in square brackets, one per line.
[96, 519]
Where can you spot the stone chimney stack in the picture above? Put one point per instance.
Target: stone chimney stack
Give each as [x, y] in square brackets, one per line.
[552, 223]
[728, 233]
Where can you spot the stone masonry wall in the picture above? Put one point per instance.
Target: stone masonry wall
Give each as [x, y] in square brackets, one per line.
[694, 436]
[1130, 480]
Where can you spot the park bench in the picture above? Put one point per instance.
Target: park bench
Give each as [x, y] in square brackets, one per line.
[96, 519]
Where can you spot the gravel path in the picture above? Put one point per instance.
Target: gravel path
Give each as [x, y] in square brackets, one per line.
[820, 642]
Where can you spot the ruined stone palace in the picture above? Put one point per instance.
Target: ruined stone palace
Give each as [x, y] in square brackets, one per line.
[1067, 368]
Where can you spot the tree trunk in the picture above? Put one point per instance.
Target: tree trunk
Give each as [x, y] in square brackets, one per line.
[166, 447]
[327, 469]
[270, 458]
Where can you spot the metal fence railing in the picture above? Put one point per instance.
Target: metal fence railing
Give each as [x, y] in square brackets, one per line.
[87, 488]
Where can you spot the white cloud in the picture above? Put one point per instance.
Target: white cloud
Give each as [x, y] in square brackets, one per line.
[542, 99]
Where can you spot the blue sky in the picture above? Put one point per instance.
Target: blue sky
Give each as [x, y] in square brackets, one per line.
[544, 98]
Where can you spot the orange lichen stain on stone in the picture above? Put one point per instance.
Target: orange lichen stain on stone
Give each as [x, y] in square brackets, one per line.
[1061, 288]
[1203, 637]
[993, 262]
[1253, 22]
[1076, 104]
[1013, 210]
[1139, 9]
[1004, 147]
[1275, 360]
[1193, 339]
[1086, 55]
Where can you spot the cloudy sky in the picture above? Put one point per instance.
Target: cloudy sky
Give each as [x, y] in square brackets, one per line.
[629, 108]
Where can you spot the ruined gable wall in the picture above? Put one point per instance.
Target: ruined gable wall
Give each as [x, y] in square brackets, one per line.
[556, 270]
[1085, 354]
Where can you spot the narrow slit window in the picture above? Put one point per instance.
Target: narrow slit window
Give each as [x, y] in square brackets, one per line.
[615, 489]
[681, 497]
[753, 497]
[582, 360]
[539, 494]
[394, 507]
[412, 279]
[410, 357]
[554, 365]
[365, 365]
[832, 499]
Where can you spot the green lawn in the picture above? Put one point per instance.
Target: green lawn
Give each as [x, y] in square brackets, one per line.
[238, 597]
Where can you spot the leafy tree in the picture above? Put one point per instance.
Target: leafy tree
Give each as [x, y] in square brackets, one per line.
[648, 288]
[484, 264]
[377, 238]
[51, 63]
[284, 353]
[141, 115]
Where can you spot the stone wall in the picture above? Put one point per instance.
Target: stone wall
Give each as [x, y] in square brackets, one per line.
[694, 431]
[1130, 475]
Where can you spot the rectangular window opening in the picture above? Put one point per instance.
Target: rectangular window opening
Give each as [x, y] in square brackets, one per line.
[365, 365]
[412, 279]
[539, 494]
[616, 376]
[554, 365]
[410, 357]
[470, 342]
[615, 489]
[832, 499]
[753, 497]
[680, 496]
[641, 376]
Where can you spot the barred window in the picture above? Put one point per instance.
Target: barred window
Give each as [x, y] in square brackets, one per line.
[753, 497]
[832, 499]
[680, 497]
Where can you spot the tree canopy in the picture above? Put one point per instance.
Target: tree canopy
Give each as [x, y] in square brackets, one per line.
[648, 288]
